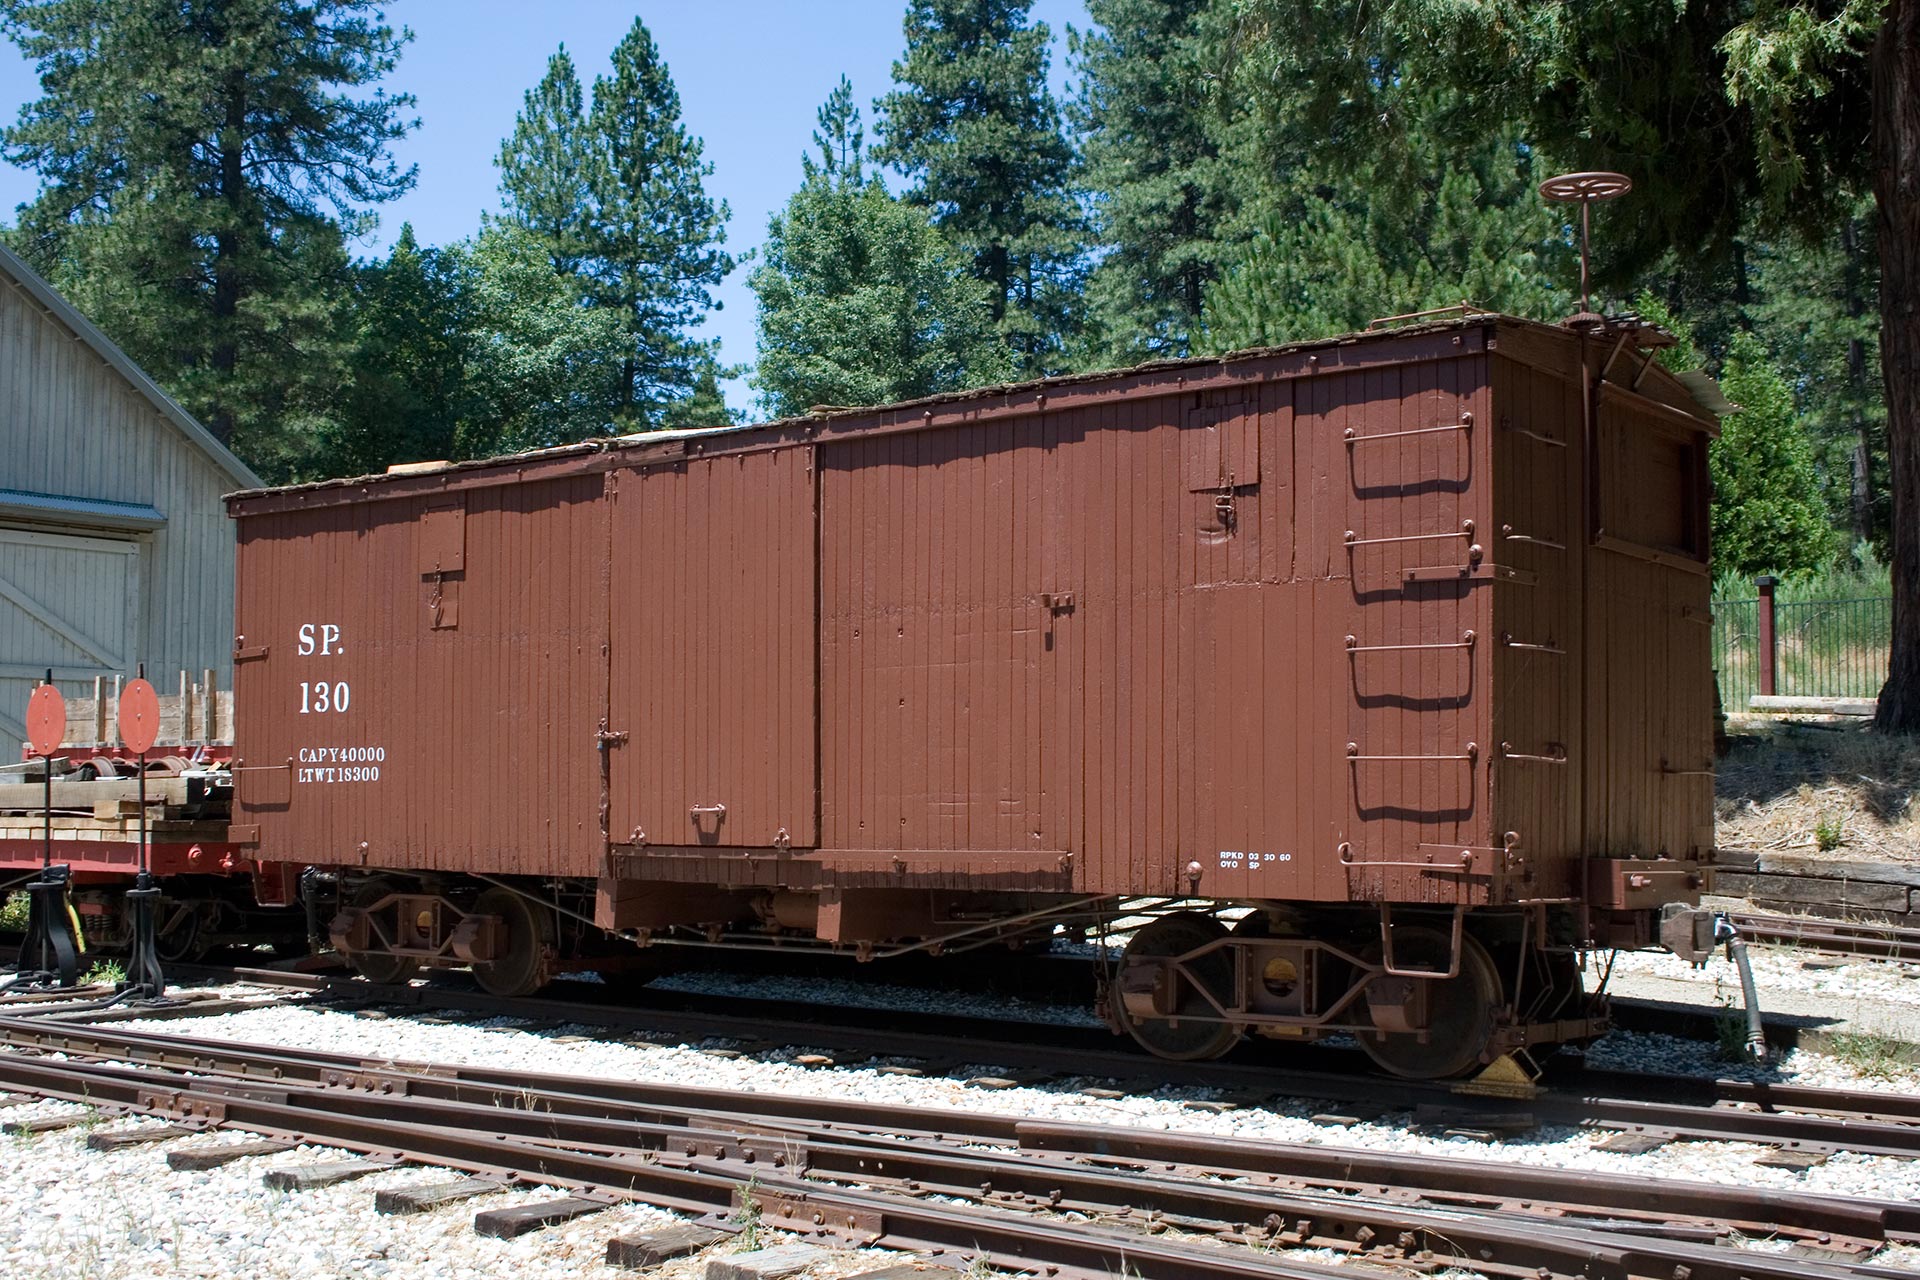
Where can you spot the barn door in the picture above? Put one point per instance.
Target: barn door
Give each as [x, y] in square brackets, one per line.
[710, 694]
[67, 602]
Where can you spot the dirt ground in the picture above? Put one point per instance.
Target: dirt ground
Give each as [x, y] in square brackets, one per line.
[1819, 787]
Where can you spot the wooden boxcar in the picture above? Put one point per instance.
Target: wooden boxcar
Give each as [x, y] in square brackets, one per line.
[1398, 642]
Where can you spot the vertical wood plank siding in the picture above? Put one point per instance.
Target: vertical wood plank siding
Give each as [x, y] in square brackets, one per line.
[485, 728]
[1258, 635]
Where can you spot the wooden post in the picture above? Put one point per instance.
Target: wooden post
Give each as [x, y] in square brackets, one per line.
[1769, 648]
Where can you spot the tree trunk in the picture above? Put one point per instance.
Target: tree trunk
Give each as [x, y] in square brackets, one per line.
[1862, 495]
[225, 356]
[1896, 189]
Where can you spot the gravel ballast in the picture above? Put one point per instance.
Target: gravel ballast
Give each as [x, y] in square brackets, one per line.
[124, 1214]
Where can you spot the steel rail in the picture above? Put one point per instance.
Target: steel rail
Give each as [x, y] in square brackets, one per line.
[667, 1116]
[1810, 1119]
[554, 1146]
[1840, 937]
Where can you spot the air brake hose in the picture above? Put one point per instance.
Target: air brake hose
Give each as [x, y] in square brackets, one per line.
[1724, 930]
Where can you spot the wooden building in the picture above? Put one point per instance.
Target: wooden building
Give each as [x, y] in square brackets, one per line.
[114, 545]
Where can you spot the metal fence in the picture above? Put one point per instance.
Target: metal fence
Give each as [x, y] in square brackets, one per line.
[1807, 648]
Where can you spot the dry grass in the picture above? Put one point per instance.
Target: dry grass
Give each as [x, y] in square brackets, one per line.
[1837, 790]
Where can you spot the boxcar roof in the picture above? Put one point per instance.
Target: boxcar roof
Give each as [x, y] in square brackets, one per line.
[1342, 353]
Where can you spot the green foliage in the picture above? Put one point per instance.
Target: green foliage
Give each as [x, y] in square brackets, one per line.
[746, 1216]
[615, 194]
[1767, 513]
[975, 128]
[1161, 193]
[408, 358]
[1871, 1053]
[1817, 310]
[14, 911]
[105, 972]
[861, 300]
[469, 351]
[197, 160]
[1362, 245]
[535, 353]
[544, 166]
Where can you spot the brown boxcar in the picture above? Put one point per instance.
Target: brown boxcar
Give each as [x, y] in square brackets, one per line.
[1398, 641]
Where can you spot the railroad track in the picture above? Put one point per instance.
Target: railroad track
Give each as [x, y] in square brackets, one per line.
[1036, 1194]
[1838, 937]
[1790, 1117]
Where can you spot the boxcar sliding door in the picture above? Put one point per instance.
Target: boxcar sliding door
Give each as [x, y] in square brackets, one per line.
[947, 633]
[711, 597]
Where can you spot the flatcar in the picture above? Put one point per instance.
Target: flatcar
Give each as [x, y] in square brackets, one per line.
[1372, 674]
[215, 894]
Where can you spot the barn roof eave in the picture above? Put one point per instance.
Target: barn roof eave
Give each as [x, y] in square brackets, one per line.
[16, 269]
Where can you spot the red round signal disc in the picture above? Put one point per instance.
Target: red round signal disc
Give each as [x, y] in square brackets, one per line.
[46, 719]
[139, 716]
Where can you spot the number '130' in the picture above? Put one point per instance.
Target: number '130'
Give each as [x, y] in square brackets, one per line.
[320, 697]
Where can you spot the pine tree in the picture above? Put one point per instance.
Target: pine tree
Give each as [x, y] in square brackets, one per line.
[535, 351]
[615, 193]
[543, 166]
[1726, 114]
[1406, 230]
[976, 130]
[1767, 512]
[1151, 162]
[408, 387]
[1819, 313]
[861, 300]
[196, 159]
[652, 235]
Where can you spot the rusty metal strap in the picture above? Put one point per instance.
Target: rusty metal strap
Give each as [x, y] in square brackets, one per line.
[1556, 753]
[1507, 640]
[1547, 440]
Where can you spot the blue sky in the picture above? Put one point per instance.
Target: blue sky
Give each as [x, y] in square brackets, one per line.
[750, 72]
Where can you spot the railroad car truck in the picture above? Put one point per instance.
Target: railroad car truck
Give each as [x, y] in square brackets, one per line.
[1366, 680]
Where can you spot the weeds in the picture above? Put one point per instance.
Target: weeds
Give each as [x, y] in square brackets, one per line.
[13, 913]
[108, 972]
[1869, 1053]
[747, 1215]
[1729, 1029]
[1828, 833]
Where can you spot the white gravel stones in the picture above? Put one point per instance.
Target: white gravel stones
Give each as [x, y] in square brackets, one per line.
[1779, 969]
[67, 1213]
[1286, 1120]
[73, 1214]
